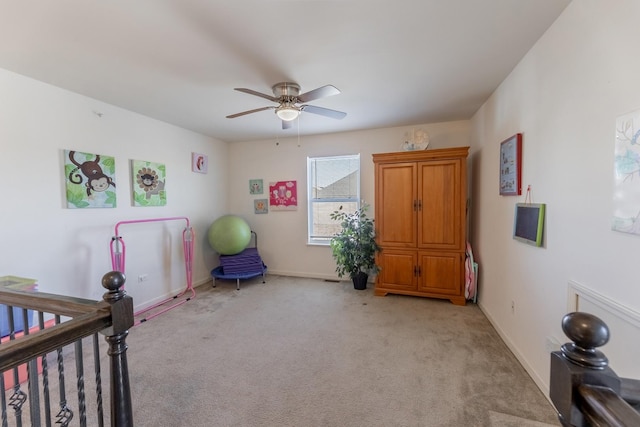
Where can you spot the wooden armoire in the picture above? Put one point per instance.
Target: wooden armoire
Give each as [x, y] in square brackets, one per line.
[420, 217]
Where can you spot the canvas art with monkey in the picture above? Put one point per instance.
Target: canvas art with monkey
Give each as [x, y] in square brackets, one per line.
[90, 180]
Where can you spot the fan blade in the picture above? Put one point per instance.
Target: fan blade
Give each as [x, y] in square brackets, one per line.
[233, 116]
[287, 124]
[324, 111]
[253, 92]
[321, 92]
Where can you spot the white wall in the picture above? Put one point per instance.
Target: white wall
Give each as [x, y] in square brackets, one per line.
[564, 96]
[67, 250]
[282, 235]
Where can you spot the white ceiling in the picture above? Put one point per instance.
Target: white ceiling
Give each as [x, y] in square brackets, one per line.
[397, 62]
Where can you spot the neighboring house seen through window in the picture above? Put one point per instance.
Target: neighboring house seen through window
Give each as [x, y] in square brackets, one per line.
[332, 182]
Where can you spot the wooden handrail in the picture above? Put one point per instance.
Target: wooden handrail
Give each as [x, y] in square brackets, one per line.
[602, 406]
[630, 391]
[16, 352]
[49, 303]
[111, 317]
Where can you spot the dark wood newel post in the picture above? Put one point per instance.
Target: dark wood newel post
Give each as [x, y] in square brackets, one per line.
[122, 315]
[581, 380]
[579, 362]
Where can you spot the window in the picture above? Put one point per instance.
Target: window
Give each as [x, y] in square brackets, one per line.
[332, 182]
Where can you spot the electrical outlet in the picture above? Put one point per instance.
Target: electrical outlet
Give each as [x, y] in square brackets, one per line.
[143, 278]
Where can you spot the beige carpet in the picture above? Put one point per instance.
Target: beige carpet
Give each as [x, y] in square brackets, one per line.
[303, 352]
[505, 420]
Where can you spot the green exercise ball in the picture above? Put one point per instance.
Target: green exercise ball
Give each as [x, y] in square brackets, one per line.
[229, 235]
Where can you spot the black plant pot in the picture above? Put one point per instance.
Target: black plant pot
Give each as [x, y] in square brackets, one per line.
[360, 281]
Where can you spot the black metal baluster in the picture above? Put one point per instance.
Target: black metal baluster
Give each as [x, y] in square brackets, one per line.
[3, 401]
[32, 378]
[45, 378]
[65, 414]
[17, 399]
[96, 361]
[82, 407]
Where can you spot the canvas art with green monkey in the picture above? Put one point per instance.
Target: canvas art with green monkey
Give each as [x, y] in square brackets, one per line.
[90, 180]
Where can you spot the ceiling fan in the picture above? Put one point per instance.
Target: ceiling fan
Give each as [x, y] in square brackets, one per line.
[288, 97]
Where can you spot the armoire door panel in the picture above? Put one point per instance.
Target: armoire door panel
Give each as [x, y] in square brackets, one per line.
[398, 270]
[396, 218]
[439, 224]
[441, 273]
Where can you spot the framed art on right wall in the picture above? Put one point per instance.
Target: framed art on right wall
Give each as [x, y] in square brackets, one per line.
[511, 166]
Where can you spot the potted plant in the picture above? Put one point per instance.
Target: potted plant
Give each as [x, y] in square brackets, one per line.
[354, 247]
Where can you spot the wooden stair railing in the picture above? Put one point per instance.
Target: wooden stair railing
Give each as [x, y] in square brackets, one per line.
[583, 388]
[111, 317]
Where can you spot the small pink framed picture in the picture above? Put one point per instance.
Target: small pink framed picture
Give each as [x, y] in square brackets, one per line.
[199, 163]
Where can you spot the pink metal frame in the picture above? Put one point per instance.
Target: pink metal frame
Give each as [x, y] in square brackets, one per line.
[118, 251]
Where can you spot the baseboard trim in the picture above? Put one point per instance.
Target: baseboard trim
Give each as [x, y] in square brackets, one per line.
[303, 275]
[540, 383]
[202, 282]
[169, 295]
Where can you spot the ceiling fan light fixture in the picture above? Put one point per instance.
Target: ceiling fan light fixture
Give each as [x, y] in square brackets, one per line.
[287, 96]
[287, 112]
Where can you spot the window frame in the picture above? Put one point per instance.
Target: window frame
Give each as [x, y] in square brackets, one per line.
[325, 241]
